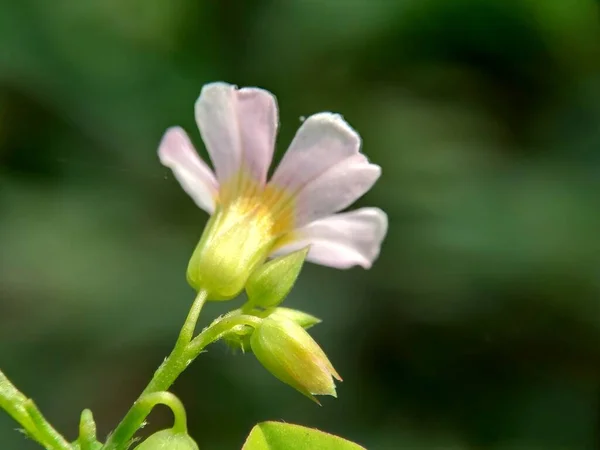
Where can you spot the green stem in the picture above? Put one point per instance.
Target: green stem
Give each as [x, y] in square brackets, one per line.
[185, 351]
[147, 402]
[189, 326]
[51, 438]
[13, 401]
[24, 411]
[163, 378]
[216, 331]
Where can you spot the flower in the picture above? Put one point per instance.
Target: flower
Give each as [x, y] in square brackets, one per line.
[286, 350]
[322, 173]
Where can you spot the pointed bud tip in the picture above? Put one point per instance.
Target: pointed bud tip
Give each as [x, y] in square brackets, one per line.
[336, 375]
[303, 319]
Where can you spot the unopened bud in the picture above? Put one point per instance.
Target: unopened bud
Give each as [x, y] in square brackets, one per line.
[286, 350]
[168, 440]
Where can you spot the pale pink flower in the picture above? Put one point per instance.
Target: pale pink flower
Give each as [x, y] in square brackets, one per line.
[322, 173]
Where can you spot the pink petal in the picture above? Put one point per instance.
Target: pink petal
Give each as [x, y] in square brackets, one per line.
[238, 127]
[177, 152]
[324, 169]
[342, 240]
[322, 141]
[335, 189]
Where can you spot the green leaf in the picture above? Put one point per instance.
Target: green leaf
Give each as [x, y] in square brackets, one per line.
[285, 436]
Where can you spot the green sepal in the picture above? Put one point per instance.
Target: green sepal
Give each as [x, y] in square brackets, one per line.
[270, 283]
[301, 318]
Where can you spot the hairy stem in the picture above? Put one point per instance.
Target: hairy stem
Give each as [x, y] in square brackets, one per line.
[163, 378]
[217, 330]
[186, 350]
[51, 438]
[24, 411]
[147, 402]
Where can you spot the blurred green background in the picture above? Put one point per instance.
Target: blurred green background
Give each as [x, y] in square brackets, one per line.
[479, 326]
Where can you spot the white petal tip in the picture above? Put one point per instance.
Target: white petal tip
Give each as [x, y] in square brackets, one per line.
[335, 121]
[221, 86]
[171, 145]
[213, 93]
[254, 91]
[217, 86]
[371, 173]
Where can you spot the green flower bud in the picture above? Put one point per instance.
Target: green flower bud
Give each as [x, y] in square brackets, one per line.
[239, 339]
[270, 283]
[168, 440]
[286, 350]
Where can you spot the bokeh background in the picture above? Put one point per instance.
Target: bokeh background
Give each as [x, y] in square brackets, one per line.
[479, 326]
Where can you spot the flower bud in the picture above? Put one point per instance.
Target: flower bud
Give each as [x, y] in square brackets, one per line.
[239, 338]
[286, 350]
[270, 283]
[168, 440]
